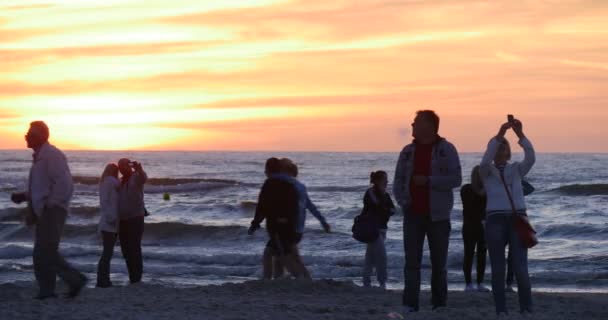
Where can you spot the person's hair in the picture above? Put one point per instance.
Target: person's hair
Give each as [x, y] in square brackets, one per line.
[504, 143]
[289, 167]
[110, 170]
[375, 176]
[430, 116]
[41, 128]
[477, 182]
[273, 165]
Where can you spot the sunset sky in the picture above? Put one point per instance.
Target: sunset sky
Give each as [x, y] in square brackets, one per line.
[302, 75]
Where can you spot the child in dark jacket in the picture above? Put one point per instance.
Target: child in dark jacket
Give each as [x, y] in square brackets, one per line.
[377, 202]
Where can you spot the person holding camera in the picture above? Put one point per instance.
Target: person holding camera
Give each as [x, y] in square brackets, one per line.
[131, 211]
[50, 190]
[505, 198]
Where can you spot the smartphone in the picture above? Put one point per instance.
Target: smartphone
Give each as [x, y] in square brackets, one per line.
[510, 118]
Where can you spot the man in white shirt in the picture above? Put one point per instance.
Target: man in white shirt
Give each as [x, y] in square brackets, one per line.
[48, 196]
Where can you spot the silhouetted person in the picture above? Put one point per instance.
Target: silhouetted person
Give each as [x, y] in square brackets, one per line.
[378, 203]
[427, 171]
[109, 186]
[131, 210]
[48, 196]
[278, 205]
[497, 172]
[473, 198]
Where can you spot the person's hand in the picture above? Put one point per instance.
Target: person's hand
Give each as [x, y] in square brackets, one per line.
[518, 128]
[503, 129]
[252, 229]
[137, 166]
[326, 227]
[19, 197]
[420, 181]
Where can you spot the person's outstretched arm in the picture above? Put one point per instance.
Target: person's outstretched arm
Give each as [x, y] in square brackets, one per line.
[529, 155]
[492, 149]
[260, 212]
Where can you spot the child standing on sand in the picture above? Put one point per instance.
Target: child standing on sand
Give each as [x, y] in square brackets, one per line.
[377, 202]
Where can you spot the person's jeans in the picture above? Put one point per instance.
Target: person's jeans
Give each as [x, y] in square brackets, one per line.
[473, 237]
[103, 267]
[48, 263]
[130, 234]
[500, 233]
[415, 228]
[375, 257]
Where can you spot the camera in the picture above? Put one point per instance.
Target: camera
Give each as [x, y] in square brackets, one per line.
[510, 118]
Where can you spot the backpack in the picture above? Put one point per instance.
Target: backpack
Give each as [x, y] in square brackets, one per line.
[365, 228]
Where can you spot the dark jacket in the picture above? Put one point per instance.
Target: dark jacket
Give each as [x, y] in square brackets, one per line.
[473, 206]
[380, 205]
[278, 204]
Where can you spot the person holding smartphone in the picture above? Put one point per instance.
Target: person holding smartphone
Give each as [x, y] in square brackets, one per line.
[131, 211]
[502, 180]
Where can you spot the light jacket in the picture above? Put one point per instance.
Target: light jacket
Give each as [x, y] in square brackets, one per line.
[50, 180]
[498, 200]
[446, 175]
[108, 204]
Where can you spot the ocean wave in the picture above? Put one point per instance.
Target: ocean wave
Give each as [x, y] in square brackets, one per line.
[158, 181]
[574, 231]
[582, 189]
[338, 189]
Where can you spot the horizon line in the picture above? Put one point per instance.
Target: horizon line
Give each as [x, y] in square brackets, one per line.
[296, 151]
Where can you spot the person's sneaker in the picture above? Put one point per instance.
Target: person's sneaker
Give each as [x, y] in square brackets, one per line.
[470, 288]
[509, 289]
[45, 296]
[482, 288]
[383, 286]
[408, 309]
[75, 290]
[104, 285]
[439, 308]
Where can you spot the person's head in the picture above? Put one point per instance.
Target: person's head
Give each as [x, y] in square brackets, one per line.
[425, 127]
[273, 166]
[503, 155]
[289, 167]
[37, 135]
[124, 167]
[111, 170]
[477, 182]
[379, 179]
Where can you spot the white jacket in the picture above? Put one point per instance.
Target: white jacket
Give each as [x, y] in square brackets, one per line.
[108, 204]
[50, 181]
[498, 200]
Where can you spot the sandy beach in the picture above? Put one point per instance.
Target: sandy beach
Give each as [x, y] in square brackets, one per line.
[283, 299]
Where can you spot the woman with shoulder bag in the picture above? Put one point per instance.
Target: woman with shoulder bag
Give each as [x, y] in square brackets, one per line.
[506, 218]
[377, 203]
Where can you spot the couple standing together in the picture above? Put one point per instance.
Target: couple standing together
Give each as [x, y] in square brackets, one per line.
[50, 190]
[122, 216]
[427, 172]
[283, 202]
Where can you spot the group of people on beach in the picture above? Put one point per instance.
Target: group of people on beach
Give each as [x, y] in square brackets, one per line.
[427, 172]
[50, 189]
